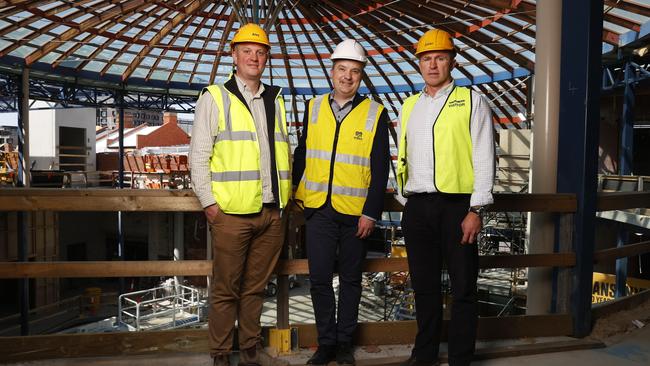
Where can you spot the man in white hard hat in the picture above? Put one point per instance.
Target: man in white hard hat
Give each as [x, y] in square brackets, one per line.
[341, 169]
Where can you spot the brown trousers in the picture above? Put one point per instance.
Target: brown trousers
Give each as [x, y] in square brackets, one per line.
[246, 249]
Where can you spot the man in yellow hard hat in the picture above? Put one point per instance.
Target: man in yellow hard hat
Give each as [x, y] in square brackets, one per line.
[341, 169]
[445, 170]
[239, 159]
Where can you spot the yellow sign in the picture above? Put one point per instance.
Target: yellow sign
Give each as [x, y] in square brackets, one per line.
[604, 287]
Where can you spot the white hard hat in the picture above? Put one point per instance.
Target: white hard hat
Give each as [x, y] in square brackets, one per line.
[349, 50]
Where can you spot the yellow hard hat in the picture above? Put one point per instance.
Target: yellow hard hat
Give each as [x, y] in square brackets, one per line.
[250, 32]
[435, 40]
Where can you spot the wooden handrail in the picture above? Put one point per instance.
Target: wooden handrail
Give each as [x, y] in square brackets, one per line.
[515, 202]
[630, 250]
[30, 199]
[204, 267]
[622, 200]
[25, 199]
[19, 199]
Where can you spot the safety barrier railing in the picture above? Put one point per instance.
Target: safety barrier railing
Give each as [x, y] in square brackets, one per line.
[563, 205]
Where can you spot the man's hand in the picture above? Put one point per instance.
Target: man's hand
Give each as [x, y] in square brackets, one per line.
[366, 226]
[471, 226]
[211, 213]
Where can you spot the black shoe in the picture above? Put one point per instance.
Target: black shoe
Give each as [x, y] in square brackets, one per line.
[323, 355]
[345, 354]
[412, 361]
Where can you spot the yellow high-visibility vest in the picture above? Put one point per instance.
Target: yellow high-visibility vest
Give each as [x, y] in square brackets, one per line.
[452, 144]
[235, 161]
[351, 173]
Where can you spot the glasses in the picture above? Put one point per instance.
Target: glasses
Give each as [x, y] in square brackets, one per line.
[258, 53]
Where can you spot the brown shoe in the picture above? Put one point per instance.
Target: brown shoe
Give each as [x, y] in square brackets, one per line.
[257, 356]
[221, 360]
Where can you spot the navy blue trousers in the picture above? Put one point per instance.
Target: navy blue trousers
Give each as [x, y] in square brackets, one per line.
[333, 247]
[432, 232]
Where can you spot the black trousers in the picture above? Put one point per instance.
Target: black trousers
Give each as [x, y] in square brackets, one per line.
[330, 240]
[432, 231]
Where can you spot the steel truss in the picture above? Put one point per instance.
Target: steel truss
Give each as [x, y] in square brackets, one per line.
[614, 76]
[66, 94]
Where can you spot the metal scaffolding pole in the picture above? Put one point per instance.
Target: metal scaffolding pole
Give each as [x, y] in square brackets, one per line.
[23, 181]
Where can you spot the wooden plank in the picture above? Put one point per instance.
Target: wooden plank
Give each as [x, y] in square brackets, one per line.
[513, 202]
[204, 267]
[282, 302]
[14, 349]
[528, 260]
[491, 352]
[98, 200]
[629, 250]
[602, 310]
[403, 332]
[608, 201]
[19, 199]
[299, 266]
[564, 279]
[105, 269]
[537, 348]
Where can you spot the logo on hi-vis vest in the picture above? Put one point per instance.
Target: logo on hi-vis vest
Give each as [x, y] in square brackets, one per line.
[456, 103]
[358, 135]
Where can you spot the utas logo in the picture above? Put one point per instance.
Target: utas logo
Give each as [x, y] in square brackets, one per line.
[456, 103]
[358, 135]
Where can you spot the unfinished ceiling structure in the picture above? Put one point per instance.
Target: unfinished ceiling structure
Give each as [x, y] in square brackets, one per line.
[160, 53]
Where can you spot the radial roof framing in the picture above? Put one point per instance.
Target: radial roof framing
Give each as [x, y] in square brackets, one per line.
[183, 44]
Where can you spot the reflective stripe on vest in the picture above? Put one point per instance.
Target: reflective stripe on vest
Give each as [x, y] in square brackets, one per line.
[235, 160]
[452, 143]
[351, 173]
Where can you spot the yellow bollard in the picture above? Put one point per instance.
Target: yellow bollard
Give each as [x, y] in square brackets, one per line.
[280, 339]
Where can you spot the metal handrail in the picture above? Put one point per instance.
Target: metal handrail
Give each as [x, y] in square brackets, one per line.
[172, 304]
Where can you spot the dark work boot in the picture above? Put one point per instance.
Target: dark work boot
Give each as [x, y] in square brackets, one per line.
[412, 361]
[323, 355]
[345, 354]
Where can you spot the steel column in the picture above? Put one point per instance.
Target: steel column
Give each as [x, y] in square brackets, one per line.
[622, 238]
[627, 124]
[23, 130]
[120, 231]
[626, 166]
[580, 83]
